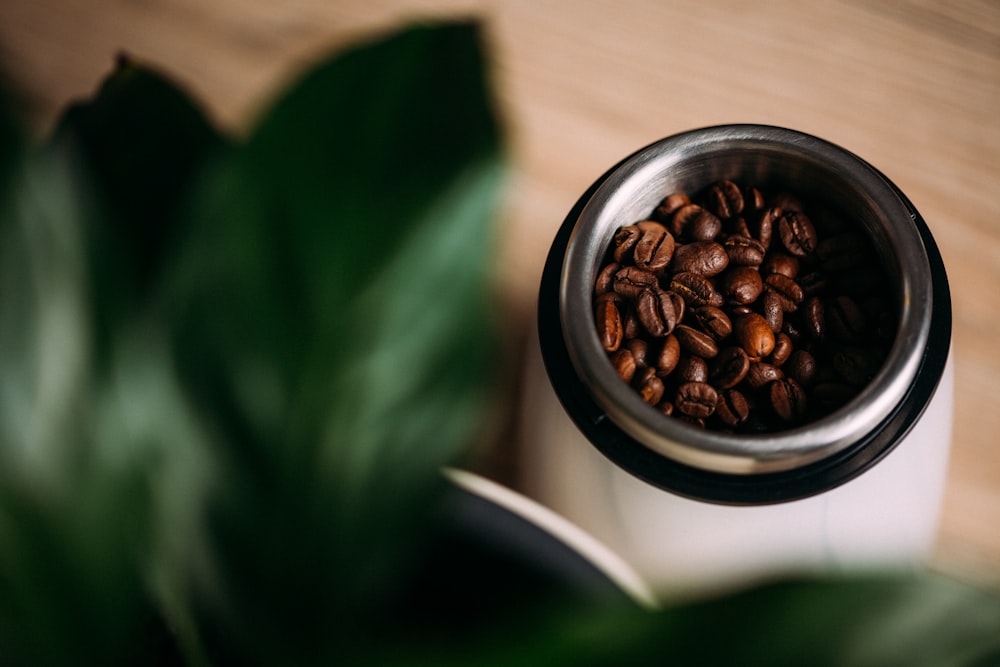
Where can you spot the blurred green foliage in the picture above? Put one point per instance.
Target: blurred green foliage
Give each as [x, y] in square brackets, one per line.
[233, 369]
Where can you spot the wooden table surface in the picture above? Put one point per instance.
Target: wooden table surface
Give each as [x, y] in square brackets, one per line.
[913, 86]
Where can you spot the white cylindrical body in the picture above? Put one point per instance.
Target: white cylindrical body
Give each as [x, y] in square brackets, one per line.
[886, 518]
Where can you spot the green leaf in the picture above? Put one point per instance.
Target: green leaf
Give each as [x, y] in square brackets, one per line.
[142, 143]
[72, 511]
[333, 322]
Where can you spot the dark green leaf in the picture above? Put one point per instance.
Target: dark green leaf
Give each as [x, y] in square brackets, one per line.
[72, 511]
[143, 143]
[333, 320]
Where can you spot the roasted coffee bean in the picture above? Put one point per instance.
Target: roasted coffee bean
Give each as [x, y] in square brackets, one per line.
[732, 408]
[754, 335]
[692, 222]
[696, 342]
[744, 251]
[624, 242]
[609, 322]
[729, 368]
[666, 407]
[696, 399]
[741, 284]
[654, 248]
[712, 321]
[669, 356]
[650, 386]
[845, 319]
[631, 280]
[788, 399]
[773, 310]
[695, 289]
[801, 367]
[606, 279]
[631, 325]
[655, 309]
[753, 199]
[691, 369]
[624, 363]
[797, 233]
[814, 318]
[725, 199]
[763, 226]
[669, 205]
[786, 289]
[640, 351]
[779, 262]
[783, 348]
[760, 374]
[706, 258]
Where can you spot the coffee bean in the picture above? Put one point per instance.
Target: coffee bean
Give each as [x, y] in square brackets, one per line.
[786, 289]
[706, 258]
[754, 335]
[814, 317]
[650, 386]
[639, 349]
[695, 289]
[712, 321]
[797, 233]
[669, 205]
[725, 199]
[624, 241]
[788, 399]
[763, 227]
[696, 399]
[760, 374]
[730, 367]
[801, 367]
[655, 310]
[783, 348]
[606, 279]
[744, 251]
[732, 408]
[609, 322]
[741, 284]
[779, 262]
[631, 280]
[691, 369]
[773, 310]
[692, 222]
[669, 356]
[624, 363]
[696, 342]
[655, 247]
[753, 199]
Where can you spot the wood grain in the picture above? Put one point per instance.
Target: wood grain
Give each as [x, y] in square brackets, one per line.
[911, 85]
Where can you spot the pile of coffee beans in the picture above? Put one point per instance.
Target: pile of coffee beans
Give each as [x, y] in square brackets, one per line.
[736, 311]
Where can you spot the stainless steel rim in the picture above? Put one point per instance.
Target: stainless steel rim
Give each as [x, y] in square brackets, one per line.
[759, 154]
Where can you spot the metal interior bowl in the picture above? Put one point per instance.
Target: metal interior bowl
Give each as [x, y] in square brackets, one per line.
[771, 158]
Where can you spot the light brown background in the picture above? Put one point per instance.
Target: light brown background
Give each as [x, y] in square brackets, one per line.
[911, 85]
